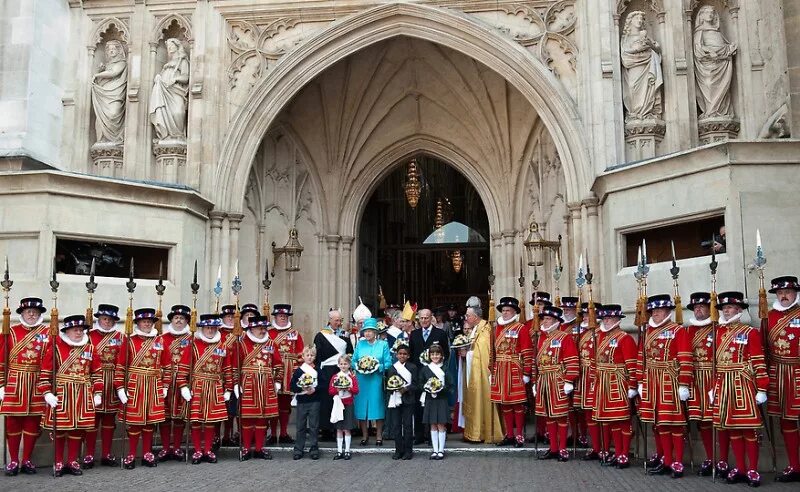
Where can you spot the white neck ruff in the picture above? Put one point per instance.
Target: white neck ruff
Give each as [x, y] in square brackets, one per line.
[606, 330]
[153, 332]
[83, 341]
[503, 322]
[253, 338]
[172, 331]
[199, 335]
[567, 321]
[778, 307]
[652, 324]
[96, 327]
[734, 318]
[551, 327]
[695, 322]
[288, 325]
[34, 325]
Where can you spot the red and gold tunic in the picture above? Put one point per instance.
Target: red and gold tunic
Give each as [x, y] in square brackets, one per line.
[146, 359]
[106, 348]
[513, 359]
[176, 345]
[741, 372]
[556, 364]
[78, 378]
[569, 327]
[668, 365]
[290, 347]
[25, 346]
[584, 393]
[260, 367]
[207, 370]
[783, 351]
[698, 405]
[615, 374]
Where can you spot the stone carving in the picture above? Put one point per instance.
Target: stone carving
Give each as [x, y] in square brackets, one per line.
[108, 95]
[168, 101]
[642, 79]
[713, 63]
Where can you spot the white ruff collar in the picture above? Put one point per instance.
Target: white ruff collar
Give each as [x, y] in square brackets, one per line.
[199, 335]
[694, 322]
[252, 337]
[568, 321]
[551, 327]
[606, 330]
[652, 324]
[281, 328]
[96, 327]
[153, 332]
[35, 324]
[172, 331]
[83, 341]
[778, 307]
[503, 322]
[732, 319]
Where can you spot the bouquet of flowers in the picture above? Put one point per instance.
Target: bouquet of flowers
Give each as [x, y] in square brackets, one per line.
[395, 383]
[342, 382]
[460, 341]
[433, 386]
[400, 342]
[306, 381]
[425, 357]
[367, 364]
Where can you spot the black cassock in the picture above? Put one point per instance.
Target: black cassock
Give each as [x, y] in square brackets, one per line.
[326, 351]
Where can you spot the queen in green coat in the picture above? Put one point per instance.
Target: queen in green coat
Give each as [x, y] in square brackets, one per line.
[369, 402]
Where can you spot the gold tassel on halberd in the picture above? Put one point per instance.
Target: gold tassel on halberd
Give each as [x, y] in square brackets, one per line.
[54, 321]
[6, 320]
[678, 310]
[763, 307]
[193, 321]
[159, 322]
[714, 312]
[129, 321]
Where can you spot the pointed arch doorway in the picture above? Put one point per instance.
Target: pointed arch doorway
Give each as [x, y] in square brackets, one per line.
[435, 253]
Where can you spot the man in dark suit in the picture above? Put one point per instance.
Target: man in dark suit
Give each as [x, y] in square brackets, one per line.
[421, 340]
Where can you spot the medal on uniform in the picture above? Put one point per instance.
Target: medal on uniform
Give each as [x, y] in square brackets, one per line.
[219, 351]
[184, 343]
[87, 355]
[613, 343]
[555, 343]
[158, 346]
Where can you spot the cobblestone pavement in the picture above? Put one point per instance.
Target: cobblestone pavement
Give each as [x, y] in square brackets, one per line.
[372, 468]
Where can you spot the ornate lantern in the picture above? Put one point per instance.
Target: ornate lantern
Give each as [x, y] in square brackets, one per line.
[292, 249]
[535, 245]
[457, 257]
[412, 185]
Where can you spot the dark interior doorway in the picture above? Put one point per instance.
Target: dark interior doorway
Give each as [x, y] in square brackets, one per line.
[409, 252]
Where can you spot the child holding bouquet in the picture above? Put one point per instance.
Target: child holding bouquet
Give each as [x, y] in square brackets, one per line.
[401, 384]
[342, 388]
[304, 386]
[436, 411]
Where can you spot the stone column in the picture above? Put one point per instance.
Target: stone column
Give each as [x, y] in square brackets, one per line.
[593, 236]
[508, 282]
[332, 274]
[791, 23]
[498, 265]
[234, 224]
[347, 289]
[577, 231]
[216, 218]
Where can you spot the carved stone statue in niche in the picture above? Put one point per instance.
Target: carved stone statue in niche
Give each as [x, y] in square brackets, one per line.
[108, 94]
[713, 63]
[168, 101]
[642, 79]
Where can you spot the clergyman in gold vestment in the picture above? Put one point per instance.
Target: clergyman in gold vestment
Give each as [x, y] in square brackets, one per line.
[482, 422]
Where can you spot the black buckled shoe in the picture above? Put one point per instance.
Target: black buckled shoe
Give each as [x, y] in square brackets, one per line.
[164, 455]
[591, 456]
[563, 455]
[197, 458]
[507, 440]
[149, 460]
[722, 469]
[788, 475]
[88, 462]
[264, 454]
[734, 476]
[74, 468]
[706, 468]
[28, 468]
[12, 469]
[547, 455]
[661, 469]
[623, 462]
[245, 455]
[211, 457]
[653, 462]
[129, 462]
[610, 459]
[109, 460]
[178, 455]
[677, 469]
[58, 470]
[347, 456]
[753, 478]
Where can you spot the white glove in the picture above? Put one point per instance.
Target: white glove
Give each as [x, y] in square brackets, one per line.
[632, 393]
[51, 399]
[98, 400]
[683, 393]
[2, 392]
[526, 379]
[278, 386]
[123, 397]
[236, 390]
[639, 390]
[226, 396]
[568, 387]
[711, 396]
[186, 394]
[533, 390]
[761, 397]
[164, 393]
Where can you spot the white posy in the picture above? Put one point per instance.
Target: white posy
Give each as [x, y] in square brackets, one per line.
[711, 396]
[98, 399]
[236, 390]
[533, 390]
[683, 393]
[123, 397]
[632, 393]
[164, 393]
[278, 386]
[568, 387]
[761, 397]
[51, 399]
[2, 392]
[186, 394]
[640, 388]
[226, 396]
[526, 379]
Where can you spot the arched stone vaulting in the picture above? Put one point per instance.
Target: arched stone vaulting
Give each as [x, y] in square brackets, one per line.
[444, 27]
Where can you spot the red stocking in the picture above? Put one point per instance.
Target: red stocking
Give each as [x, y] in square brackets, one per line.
[737, 443]
[14, 435]
[626, 432]
[605, 441]
[60, 437]
[91, 435]
[552, 429]
[164, 430]
[197, 437]
[74, 440]
[563, 427]
[677, 442]
[147, 438]
[177, 433]
[134, 431]
[108, 424]
[724, 438]
[248, 428]
[751, 447]
[519, 418]
[30, 433]
[791, 439]
[508, 419]
[665, 436]
[659, 444]
[260, 432]
[707, 436]
[208, 437]
[594, 431]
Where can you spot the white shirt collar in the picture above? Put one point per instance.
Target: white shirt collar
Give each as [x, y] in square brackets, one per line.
[83, 341]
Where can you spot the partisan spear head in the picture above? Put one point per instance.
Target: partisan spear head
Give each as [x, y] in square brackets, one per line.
[266, 282]
[491, 277]
[53, 282]
[236, 285]
[160, 287]
[130, 284]
[675, 270]
[535, 281]
[521, 279]
[194, 285]
[7, 282]
[761, 259]
[589, 274]
[713, 265]
[91, 285]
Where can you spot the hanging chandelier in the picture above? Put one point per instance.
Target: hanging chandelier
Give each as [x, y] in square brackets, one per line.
[457, 257]
[412, 185]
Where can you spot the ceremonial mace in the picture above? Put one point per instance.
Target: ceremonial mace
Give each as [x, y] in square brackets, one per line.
[675, 271]
[714, 322]
[236, 288]
[6, 284]
[642, 270]
[763, 314]
[53, 346]
[131, 286]
[267, 283]
[521, 281]
[192, 329]
[160, 288]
